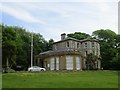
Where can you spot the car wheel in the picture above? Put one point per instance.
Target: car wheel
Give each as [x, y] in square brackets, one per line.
[42, 70]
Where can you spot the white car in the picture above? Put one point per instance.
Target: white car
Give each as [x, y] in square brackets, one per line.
[36, 68]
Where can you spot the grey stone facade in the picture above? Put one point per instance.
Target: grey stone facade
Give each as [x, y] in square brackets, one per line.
[69, 54]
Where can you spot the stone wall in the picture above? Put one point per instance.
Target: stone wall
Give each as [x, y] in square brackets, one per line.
[64, 62]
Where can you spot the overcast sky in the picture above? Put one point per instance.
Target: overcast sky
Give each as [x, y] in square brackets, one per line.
[54, 17]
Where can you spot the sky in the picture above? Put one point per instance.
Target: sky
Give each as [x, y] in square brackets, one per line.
[51, 18]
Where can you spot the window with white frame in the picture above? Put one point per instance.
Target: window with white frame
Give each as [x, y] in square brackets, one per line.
[69, 62]
[57, 63]
[78, 65]
[52, 66]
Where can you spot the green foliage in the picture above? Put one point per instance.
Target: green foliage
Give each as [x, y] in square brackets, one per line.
[109, 47]
[104, 34]
[117, 41]
[16, 46]
[78, 35]
[8, 44]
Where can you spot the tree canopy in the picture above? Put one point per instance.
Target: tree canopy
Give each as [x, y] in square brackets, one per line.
[78, 35]
[104, 34]
[16, 46]
[109, 48]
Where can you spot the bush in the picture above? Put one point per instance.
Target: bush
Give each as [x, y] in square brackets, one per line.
[8, 70]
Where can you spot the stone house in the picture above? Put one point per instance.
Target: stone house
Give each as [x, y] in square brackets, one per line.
[69, 54]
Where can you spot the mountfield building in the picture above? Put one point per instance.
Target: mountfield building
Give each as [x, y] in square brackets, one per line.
[69, 54]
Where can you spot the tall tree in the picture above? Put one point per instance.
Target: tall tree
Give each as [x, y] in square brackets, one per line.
[8, 45]
[50, 42]
[16, 45]
[78, 35]
[108, 43]
[106, 35]
[116, 59]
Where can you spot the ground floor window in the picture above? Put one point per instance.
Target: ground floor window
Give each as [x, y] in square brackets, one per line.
[69, 62]
[78, 64]
[57, 63]
[52, 64]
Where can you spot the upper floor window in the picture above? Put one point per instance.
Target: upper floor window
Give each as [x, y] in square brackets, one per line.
[85, 44]
[86, 53]
[93, 44]
[73, 44]
[77, 45]
[56, 46]
[68, 44]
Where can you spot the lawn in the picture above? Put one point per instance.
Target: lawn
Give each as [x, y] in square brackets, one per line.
[0, 80]
[61, 79]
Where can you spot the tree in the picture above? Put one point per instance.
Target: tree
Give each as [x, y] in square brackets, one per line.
[116, 59]
[78, 35]
[23, 52]
[106, 35]
[8, 46]
[109, 43]
[50, 43]
[117, 41]
[91, 61]
[38, 42]
[16, 45]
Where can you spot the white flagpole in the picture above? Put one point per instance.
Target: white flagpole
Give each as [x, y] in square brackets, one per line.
[32, 49]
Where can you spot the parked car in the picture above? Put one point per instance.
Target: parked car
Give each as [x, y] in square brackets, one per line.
[36, 68]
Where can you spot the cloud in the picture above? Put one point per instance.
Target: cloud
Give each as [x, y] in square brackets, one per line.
[20, 14]
[65, 16]
[82, 17]
[59, 0]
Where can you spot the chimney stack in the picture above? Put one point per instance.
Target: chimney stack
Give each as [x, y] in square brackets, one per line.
[63, 36]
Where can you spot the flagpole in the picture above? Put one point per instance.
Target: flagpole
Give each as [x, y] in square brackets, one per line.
[31, 49]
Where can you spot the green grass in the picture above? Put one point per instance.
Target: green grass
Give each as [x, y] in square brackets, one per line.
[80, 79]
[0, 80]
